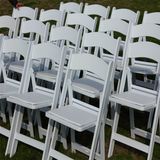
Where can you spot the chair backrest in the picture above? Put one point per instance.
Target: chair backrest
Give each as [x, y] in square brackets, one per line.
[97, 66]
[71, 7]
[66, 34]
[20, 47]
[142, 49]
[106, 43]
[37, 27]
[25, 12]
[96, 10]
[82, 21]
[153, 17]
[11, 24]
[52, 15]
[116, 28]
[125, 14]
[53, 52]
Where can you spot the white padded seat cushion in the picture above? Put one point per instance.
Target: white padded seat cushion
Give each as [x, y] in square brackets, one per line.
[6, 90]
[73, 117]
[135, 100]
[87, 87]
[32, 100]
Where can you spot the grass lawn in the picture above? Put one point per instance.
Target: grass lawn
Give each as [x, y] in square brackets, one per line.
[121, 152]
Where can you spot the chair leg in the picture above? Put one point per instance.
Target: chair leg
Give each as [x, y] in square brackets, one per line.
[96, 137]
[16, 123]
[10, 112]
[73, 141]
[2, 113]
[132, 124]
[30, 123]
[153, 134]
[48, 139]
[15, 120]
[114, 130]
[151, 113]
[102, 141]
[38, 118]
[54, 139]
[64, 132]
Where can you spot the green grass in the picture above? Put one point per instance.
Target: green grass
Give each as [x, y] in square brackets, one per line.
[121, 152]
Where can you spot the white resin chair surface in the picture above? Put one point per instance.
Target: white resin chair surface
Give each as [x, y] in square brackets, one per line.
[70, 114]
[25, 12]
[120, 28]
[40, 97]
[61, 35]
[96, 10]
[149, 67]
[11, 24]
[71, 7]
[125, 14]
[41, 33]
[89, 84]
[136, 97]
[53, 15]
[81, 20]
[11, 86]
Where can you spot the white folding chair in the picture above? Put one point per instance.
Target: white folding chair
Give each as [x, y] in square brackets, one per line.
[137, 97]
[71, 7]
[41, 34]
[61, 35]
[40, 97]
[115, 27]
[89, 84]
[11, 86]
[148, 18]
[70, 114]
[153, 18]
[96, 10]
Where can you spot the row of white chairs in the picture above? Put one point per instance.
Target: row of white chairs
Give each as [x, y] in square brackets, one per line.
[89, 85]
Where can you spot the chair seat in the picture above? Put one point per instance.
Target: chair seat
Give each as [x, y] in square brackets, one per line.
[73, 117]
[31, 100]
[143, 70]
[87, 87]
[48, 75]
[7, 90]
[16, 66]
[135, 100]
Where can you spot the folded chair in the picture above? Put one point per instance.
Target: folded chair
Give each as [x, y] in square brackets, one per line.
[137, 97]
[70, 114]
[39, 98]
[11, 86]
